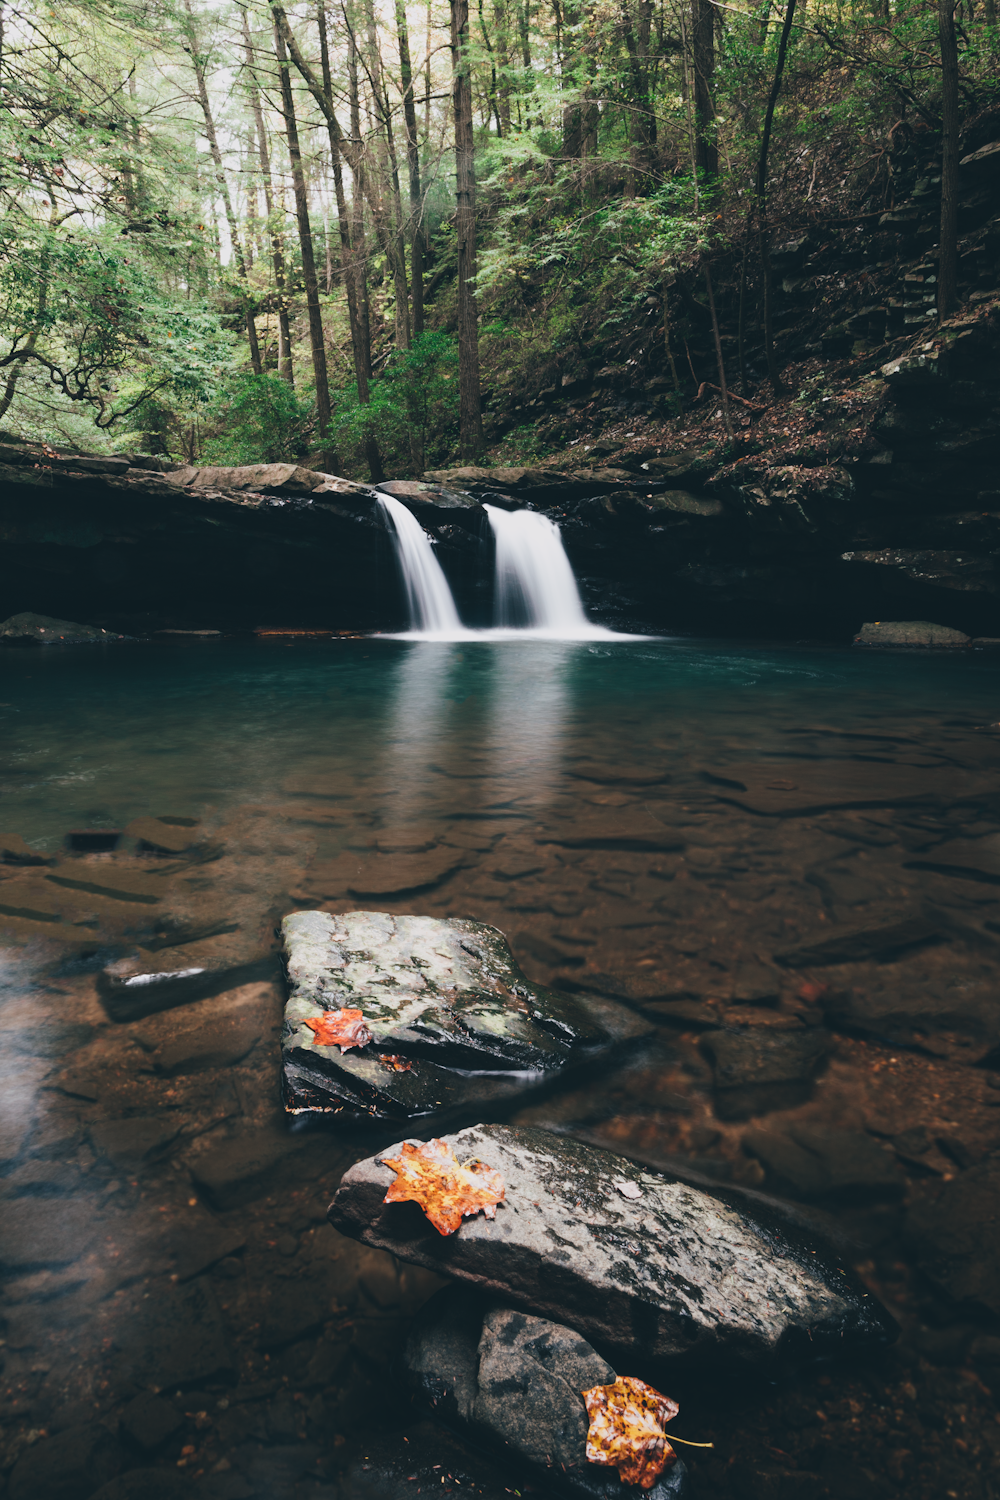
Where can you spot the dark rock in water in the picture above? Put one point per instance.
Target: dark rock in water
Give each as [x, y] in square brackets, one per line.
[516, 1382]
[395, 1465]
[649, 1270]
[132, 988]
[178, 1340]
[453, 1021]
[15, 851]
[148, 1484]
[149, 1420]
[69, 1466]
[830, 1166]
[908, 633]
[164, 835]
[759, 1069]
[951, 1228]
[25, 628]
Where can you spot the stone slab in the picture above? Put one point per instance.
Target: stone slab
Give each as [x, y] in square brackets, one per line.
[453, 1019]
[658, 1273]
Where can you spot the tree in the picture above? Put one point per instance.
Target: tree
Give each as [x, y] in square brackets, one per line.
[316, 339]
[948, 240]
[471, 440]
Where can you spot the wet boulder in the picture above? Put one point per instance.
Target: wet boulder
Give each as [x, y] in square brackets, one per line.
[649, 1270]
[516, 1382]
[908, 633]
[28, 629]
[449, 1019]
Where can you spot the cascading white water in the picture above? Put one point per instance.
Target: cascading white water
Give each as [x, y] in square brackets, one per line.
[535, 585]
[432, 608]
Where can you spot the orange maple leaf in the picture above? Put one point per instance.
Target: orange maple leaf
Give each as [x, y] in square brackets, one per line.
[430, 1174]
[339, 1028]
[626, 1429]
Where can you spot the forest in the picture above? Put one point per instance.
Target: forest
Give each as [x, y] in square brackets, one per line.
[368, 236]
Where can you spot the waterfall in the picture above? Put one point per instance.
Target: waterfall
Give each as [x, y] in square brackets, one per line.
[535, 585]
[432, 608]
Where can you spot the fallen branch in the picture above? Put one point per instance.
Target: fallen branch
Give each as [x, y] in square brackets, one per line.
[707, 385]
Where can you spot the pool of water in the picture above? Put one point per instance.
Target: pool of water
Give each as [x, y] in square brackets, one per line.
[739, 840]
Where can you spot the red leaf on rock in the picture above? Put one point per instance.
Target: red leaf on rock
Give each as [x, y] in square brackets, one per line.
[626, 1429]
[339, 1028]
[430, 1174]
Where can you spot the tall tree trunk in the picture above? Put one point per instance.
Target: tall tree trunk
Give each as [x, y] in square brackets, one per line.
[352, 233]
[391, 239]
[277, 251]
[643, 122]
[703, 57]
[948, 239]
[471, 440]
[316, 341]
[414, 228]
[350, 270]
[761, 194]
[198, 64]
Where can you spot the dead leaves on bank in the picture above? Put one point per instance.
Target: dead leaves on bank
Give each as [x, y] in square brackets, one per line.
[339, 1028]
[626, 1429]
[448, 1191]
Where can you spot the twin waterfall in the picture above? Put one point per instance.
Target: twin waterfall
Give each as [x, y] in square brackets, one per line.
[536, 593]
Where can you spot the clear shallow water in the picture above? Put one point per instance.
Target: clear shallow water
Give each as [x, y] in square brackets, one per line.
[660, 821]
[95, 738]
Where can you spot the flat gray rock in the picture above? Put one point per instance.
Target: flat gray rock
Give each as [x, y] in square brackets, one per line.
[650, 1271]
[517, 1382]
[453, 1022]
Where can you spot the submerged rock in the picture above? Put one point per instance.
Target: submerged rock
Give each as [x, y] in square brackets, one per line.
[516, 1382]
[650, 1270]
[451, 1017]
[908, 633]
[27, 627]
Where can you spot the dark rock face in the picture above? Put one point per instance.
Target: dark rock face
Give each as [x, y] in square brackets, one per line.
[832, 1167]
[69, 1466]
[648, 1269]
[952, 1230]
[516, 1382]
[452, 1018]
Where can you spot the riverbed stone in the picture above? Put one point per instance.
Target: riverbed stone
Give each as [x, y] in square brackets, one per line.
[27, 627]
[909, 633]
[69, 1466]
[760, 1069]
[951, 1229]
[452, 1018]
[646, 1268]
[515, 1382]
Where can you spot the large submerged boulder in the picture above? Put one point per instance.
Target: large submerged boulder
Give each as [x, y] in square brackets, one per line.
[646, 1268]
[449, 1019]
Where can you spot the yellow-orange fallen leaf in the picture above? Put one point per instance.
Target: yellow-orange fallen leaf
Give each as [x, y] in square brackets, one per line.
[340, 1028]
[430, 1174]
[626, 1429]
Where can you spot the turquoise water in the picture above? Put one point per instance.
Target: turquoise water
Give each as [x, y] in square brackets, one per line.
[93, 738]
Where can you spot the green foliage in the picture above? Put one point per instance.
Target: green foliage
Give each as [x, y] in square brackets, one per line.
[258, 419]
[413, 408]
